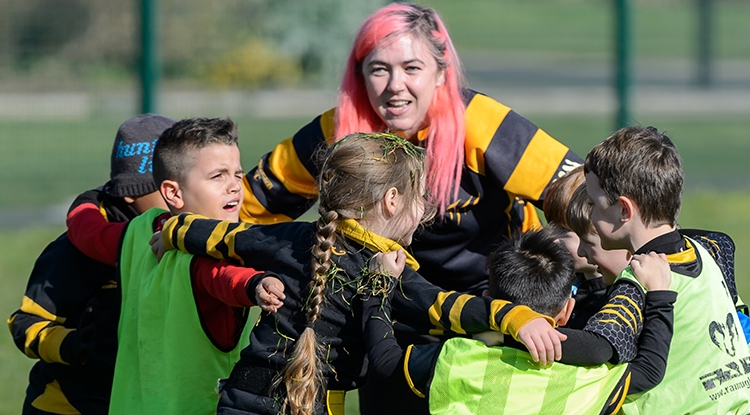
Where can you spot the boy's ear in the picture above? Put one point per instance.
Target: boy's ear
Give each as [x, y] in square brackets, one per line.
[628, 208]
[172, 194]
[564, 315]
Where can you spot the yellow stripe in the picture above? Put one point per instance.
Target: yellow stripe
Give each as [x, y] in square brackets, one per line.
[495, 307]
[615, 322]
[408, 375]
[252, 211]
[630, 300]
[50, 340]
[289, 170]
[486, 115]
[103, 211]
[688, 255]
[518, 317]
[538, 164]
[229, 239]
[53, 400]
[217, 235]
[611, 309]
[328, 125]
[335, 402]
[626, 388]
[29, 306]
[31, 333]
[167, 230]
[436, 312]
[455, 313]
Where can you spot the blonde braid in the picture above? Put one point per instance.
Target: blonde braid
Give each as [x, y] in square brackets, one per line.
[303, 375]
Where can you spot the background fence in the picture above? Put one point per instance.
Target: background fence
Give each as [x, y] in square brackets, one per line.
[69, 75]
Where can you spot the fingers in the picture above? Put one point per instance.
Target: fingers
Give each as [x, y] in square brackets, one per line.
[276, 288]
[157, 245]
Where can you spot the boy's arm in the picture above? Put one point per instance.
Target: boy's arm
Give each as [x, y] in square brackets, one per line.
[228, 283]
[620, 320]
[90, 232]
[650, 363]
[55, 296]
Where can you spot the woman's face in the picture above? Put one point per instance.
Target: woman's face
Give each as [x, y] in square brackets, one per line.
[401, 78]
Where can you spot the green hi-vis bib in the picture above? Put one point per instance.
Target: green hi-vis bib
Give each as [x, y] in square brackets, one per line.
[708, 369]
[471, 378]
[165, 362]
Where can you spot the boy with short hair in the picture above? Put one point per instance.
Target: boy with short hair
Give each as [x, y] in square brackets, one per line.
[463, 376]
[590, 291]
[69, 314]
[182, 318]
[634, 181]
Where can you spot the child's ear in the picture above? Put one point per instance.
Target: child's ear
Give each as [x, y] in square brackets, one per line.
[628, 208]
[564, 315]
[391, 201]
[172, 194]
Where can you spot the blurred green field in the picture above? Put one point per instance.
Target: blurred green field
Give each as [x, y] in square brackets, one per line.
[46, 163]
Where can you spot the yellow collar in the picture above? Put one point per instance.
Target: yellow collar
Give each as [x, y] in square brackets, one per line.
[354, 231]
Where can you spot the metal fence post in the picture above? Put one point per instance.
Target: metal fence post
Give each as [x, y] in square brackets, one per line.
[705, 42]
[149, 62]
[622, 61]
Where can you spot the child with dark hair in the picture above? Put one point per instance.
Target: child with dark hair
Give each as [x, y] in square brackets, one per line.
[69, 313]
[464, 376]
[634, 180]
[338, 319]
[182, 318]
[589, 289]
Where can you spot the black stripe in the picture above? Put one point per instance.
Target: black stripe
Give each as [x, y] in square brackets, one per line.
[508, 145]
[306, 142]
[277, 200]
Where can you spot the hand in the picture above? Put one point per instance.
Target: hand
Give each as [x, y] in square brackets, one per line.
[542, 340]
[490, 338]
[269, 294]
[79, 343]
[652, 270]
[157, 245]
[391, 263]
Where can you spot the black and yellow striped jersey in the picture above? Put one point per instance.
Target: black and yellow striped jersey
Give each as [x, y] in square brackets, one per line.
[509, 162]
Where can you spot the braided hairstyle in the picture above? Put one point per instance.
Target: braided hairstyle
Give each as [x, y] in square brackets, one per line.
[356, 172]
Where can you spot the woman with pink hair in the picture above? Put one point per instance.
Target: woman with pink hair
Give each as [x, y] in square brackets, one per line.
[484, 161]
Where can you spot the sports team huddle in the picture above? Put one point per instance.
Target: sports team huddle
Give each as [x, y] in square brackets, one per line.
[428, 281]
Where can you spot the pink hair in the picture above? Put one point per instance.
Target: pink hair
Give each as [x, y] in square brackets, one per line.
[446, 132]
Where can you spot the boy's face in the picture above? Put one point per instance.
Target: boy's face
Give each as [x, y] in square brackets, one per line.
[213, 184]
[571, 241]
[604, 216]
[609, 263]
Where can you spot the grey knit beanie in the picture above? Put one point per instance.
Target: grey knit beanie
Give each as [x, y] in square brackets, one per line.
[130, 170]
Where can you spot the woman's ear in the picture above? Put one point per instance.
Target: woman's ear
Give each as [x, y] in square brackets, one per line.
[172, 194]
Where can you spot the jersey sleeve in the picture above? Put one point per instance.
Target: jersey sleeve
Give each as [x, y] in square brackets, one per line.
[58, 288]
[383, 352]
[282, 186]
[620, 320]
[519, 156]
[224, 281]
[418, 305]
[423, 308]
[90, 232]
[650, 364]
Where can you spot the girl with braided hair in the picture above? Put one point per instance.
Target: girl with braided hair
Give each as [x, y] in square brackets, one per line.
[338, 318]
